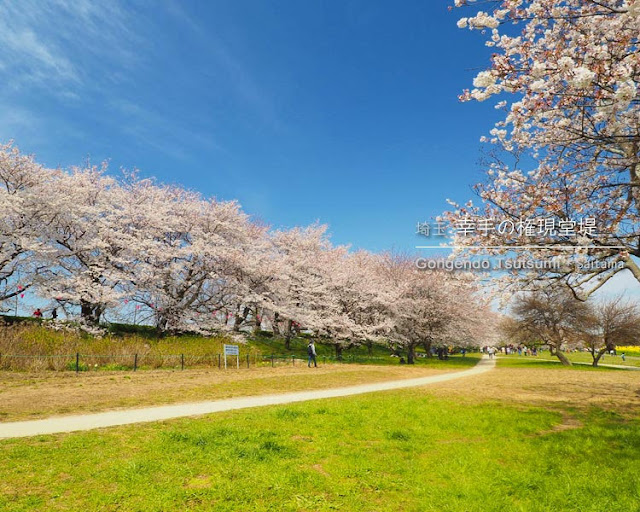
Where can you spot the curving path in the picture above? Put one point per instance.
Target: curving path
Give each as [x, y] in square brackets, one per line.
[61, 424]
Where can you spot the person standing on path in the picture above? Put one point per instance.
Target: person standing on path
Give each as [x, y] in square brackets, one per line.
[311, 352]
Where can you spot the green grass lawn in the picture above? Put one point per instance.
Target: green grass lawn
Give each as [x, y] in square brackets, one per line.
[395, 451]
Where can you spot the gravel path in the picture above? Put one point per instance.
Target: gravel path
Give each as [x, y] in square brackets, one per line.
[60, 424]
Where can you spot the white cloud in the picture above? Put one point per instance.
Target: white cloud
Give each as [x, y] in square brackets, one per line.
[53, 44]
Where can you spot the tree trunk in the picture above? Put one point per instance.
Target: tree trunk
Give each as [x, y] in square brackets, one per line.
[287, 335]
[276, 326]
[596, 357]
[162, 323]
[427, 348]
[370, 348]
[562, 357]
[258, 323]
[338, 351]
[91, 313]
[240, 318]
[411, 353]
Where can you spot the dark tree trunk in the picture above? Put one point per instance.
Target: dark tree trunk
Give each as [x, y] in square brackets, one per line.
[338, 351]
[411, 354]
[240, 318]
[427, 347]
[597, 356]
[370, 348]
[258, 323]
[287, 335]
[276, 324]
[91, 313]
[162, 323]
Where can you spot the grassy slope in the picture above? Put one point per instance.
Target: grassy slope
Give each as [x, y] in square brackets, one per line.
[116, 350]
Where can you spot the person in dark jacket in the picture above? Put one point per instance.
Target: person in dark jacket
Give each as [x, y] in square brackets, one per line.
[311, 352]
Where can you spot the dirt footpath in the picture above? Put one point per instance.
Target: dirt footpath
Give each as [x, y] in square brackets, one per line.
[32, 396]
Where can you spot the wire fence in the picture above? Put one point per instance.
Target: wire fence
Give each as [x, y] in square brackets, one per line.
[79, 362]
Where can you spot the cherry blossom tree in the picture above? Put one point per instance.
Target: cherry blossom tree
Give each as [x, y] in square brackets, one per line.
[184, 251]
[566, 74]
[353, 311]
[431, 307]
[358, 288]
[253, 272]
[23, 186]
[301, 296]
[85, 241]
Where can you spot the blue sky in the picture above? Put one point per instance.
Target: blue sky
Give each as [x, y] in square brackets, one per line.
[344, 112]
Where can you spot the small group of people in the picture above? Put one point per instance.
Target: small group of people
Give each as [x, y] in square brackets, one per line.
[38, 313]
[522, 350]
[614, 352]
[490, 351]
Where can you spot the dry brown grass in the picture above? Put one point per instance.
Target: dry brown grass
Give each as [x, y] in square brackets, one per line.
[34, 348]
[36, 395]
[616, 390]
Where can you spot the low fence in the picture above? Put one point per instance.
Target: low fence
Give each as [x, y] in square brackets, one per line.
[79, 362]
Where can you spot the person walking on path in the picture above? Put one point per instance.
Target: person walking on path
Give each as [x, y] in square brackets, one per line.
[311, 352]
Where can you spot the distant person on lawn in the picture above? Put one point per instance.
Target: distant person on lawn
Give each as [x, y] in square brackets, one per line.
[311, 352]
[37, 313]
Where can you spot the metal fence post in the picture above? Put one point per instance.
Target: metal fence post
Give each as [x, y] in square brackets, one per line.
[247, 360]
[77, 362]
[219, 362]
[135, 362]
[182, 361]
[293, 360]
[271, 360]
